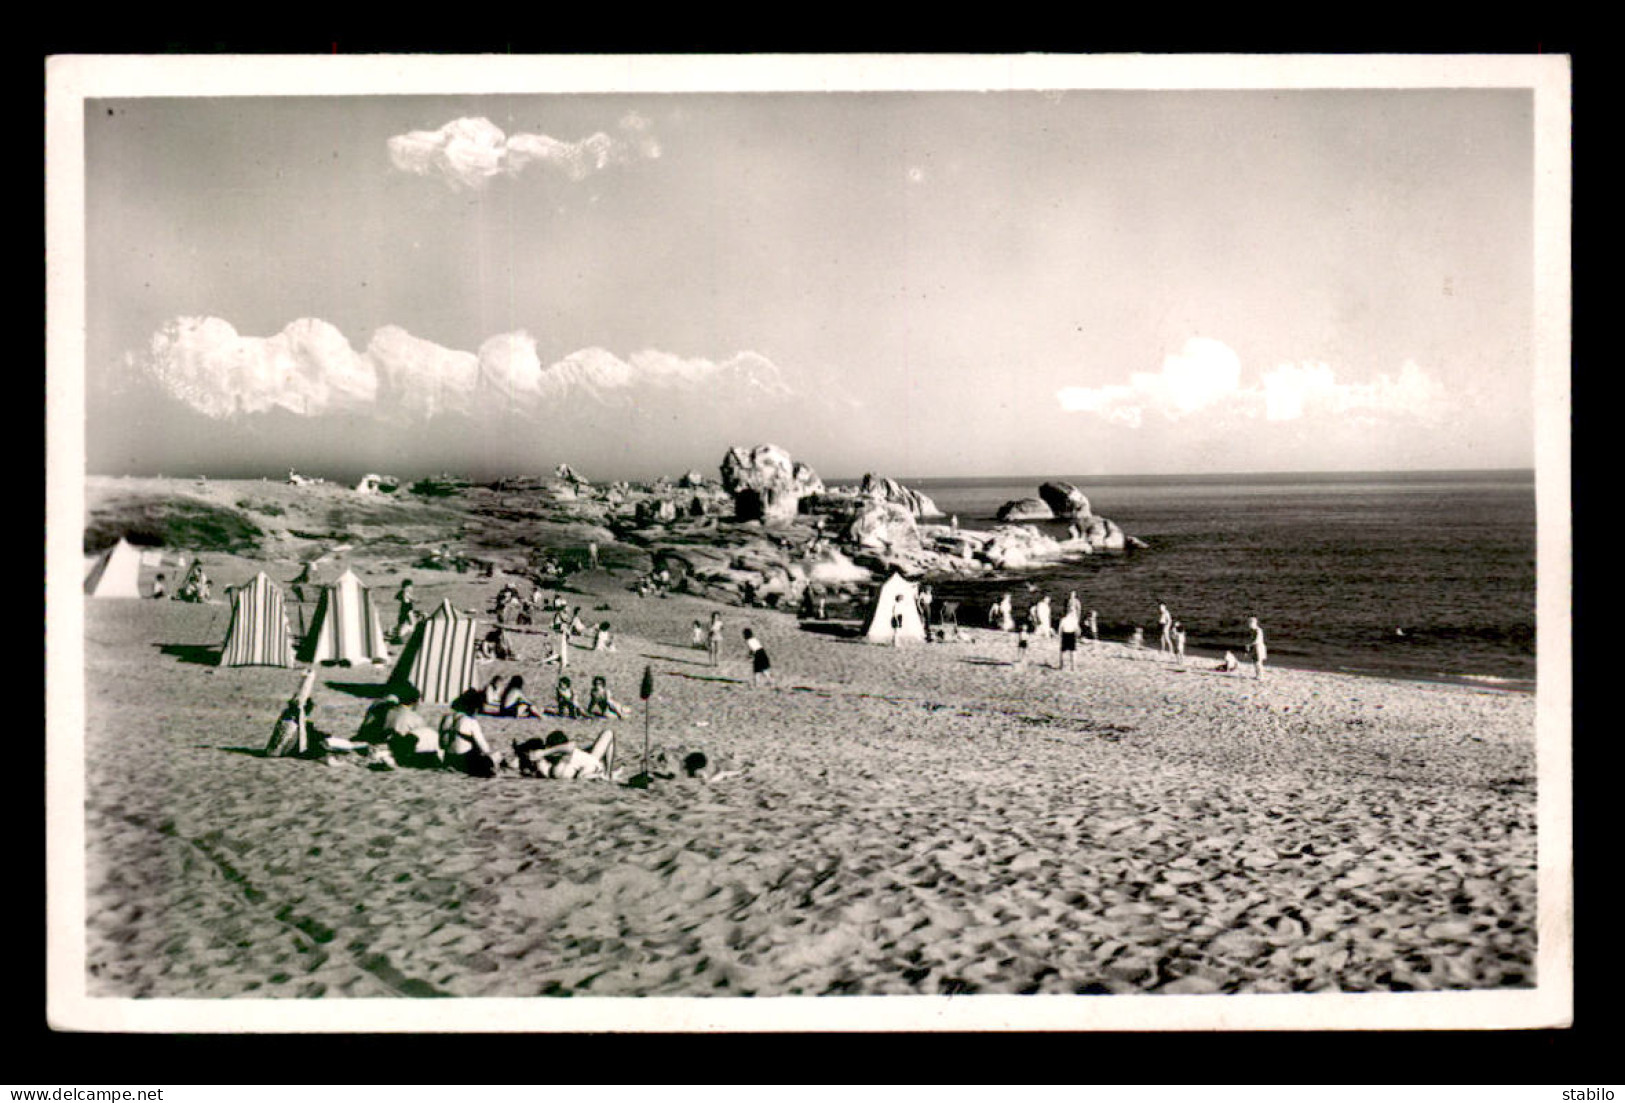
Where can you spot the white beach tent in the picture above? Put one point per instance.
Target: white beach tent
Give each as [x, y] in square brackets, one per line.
[345, 628]
[259, 634]
[878, 626]
[115, 573]
[438, 661]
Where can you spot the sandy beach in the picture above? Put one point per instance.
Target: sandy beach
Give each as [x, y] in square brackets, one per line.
[926, 820]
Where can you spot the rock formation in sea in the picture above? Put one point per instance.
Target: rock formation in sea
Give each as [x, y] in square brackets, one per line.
[890, 490]
[1025, 509]
[1065, 500]
[766, 484]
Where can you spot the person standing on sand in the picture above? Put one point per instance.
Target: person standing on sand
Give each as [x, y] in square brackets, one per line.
[896, 620]
[1022, 639]
[1094, 629]
[1179, 642]
[592, 556]
[1256, 648]
[1069, 639]
[761, 667]
[1007, 614]
[713, 639]
[1165, 624]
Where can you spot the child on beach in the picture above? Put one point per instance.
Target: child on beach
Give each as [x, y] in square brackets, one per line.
[565, 698]
[1256, 648]
[697, 637]
[1229, 665]
[1022, 638]
[158, 589]
[713, 640]
[599, 702]
[1094, 629]
[761, 667]
[1137, 640]
[897, 620]
[1179, 642]
[604, 639]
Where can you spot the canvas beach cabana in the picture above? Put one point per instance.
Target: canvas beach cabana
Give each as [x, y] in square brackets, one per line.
[259, 634]
[115, 573]
[345, 627]
[877, 626]
[437, 663]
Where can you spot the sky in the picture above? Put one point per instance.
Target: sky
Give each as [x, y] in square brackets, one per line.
[916, 284]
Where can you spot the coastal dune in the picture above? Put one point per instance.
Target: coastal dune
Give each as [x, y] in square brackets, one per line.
[927, 820]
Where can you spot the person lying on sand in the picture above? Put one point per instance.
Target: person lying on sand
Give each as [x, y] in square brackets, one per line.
[410, 739]
[599, 702]
[559, 757]
[294, 736]
[667, 766]
[462, 742]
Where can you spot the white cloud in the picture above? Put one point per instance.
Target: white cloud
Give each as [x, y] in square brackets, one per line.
[311, 369]
[1205, 376]
[1201, 374]
[308, 368]
[467, 153]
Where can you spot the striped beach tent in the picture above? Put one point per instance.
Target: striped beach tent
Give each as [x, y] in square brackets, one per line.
[345, 628]
[115, 573]
[259, 634]
[438, 661]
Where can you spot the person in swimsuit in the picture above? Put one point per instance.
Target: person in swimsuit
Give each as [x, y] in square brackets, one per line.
[1256, 648]
[761, 667]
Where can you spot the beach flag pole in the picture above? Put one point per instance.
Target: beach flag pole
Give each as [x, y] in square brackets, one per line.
[646, 691]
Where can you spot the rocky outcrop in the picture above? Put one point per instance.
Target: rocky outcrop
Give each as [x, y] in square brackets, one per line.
[654, 511]
[1065, 501]
[890, 490]
[766, 484]
[1012, 546]
[883, 526]
[1026, 509]
[377, 484]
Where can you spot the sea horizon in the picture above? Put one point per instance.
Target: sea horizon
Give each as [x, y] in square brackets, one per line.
[1116, 479]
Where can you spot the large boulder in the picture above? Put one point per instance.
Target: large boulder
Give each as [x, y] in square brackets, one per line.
[1065, 500]
[655, 511]
[766, 484]
[1013, 546]
[883, 526]
[890, 490]
[1026, 509]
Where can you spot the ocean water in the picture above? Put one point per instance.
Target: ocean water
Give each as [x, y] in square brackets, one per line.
[1416, 574]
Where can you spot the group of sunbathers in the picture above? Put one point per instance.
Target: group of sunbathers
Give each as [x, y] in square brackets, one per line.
[393, 734]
